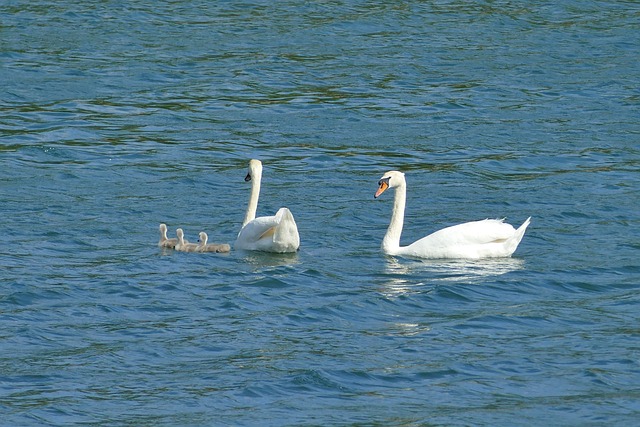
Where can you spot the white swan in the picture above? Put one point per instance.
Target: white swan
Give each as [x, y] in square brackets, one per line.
[211, 247]
[183, 245]
[489, 238]
[164, 241]
[278, 233]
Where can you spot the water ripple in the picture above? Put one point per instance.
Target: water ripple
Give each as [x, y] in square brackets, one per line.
[121, 116]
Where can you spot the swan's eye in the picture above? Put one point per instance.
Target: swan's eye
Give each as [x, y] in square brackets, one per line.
[247, 178]
[384, 181]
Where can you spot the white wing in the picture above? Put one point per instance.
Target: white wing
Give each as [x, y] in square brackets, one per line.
[477, 239]
[277, 233]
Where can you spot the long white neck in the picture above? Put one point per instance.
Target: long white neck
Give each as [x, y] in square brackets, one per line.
[391, 241]
[253, 199]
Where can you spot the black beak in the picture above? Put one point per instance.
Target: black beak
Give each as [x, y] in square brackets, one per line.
[247, 178]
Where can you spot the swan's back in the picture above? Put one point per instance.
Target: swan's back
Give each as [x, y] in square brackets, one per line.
[488, 238]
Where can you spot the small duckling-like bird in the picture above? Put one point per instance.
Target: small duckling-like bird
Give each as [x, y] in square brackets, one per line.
[164, 241]
[183, 245]
[211, 247]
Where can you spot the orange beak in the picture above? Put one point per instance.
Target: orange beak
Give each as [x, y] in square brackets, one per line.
[384, 184]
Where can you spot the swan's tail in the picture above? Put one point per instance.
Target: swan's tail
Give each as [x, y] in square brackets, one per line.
[513, 242]
[286, 235]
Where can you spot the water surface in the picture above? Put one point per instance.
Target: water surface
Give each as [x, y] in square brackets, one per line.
[118, 116]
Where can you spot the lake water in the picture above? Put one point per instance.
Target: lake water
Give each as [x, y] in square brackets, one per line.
[117, 116]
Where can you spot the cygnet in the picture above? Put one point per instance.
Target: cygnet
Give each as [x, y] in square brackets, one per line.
[164, 241]
[211, 247]
[183, 245]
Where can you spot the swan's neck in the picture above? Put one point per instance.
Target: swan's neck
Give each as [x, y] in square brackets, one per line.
[391, 241]
[253, 200]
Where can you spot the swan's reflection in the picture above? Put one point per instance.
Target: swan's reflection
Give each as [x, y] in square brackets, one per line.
[454, 269]
[411, 276]
[407, 329]
[260, 260]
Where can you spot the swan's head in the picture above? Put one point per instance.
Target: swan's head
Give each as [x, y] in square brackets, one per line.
[180, 233]
[391, 179]
[203, 238]
[163, 229]
[255, 170]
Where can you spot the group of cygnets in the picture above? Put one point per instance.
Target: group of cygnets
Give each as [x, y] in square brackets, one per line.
[489, 238]
[180, 244]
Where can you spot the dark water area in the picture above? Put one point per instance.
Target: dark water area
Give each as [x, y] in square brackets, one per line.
[115, 117]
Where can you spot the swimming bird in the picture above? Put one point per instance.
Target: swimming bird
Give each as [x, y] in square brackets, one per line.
[489, 238]
[164, 241]
[183, 245]
[277, 233]
[203, 246]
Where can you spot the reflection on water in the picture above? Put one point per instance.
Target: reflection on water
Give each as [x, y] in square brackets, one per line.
[402, 274]
[407, 329]
[260, 260]
[455, 269]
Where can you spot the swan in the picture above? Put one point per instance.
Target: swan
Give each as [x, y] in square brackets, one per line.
[489, 238]
[277, 233]
[211, 247]
[164, 241]
[183, 245]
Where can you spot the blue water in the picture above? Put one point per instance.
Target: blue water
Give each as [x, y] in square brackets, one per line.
[116, 116]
